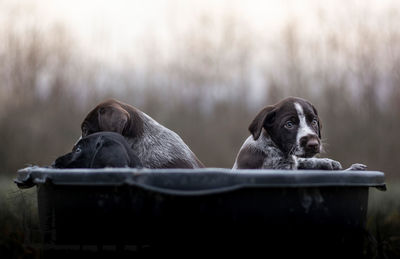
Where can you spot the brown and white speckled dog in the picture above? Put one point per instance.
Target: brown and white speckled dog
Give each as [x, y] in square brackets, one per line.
[286, 135]
[155, 145]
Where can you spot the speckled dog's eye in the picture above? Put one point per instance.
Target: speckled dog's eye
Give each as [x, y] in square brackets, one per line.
[289, 125]
[314, 122]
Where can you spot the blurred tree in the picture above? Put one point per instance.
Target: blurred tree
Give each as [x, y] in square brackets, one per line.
[208, 89]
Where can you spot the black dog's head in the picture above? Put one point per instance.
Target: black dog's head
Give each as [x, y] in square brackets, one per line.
[99, 150]
[292, 124]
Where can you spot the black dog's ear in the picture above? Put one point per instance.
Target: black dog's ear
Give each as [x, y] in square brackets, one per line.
[109, 154]
[319, 121]
[260, 120]
[99, 143]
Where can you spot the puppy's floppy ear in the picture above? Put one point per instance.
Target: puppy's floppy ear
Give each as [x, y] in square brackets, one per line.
[260, 120]
[319, 127]
[109, 153]
[112, 118]
[319, 121]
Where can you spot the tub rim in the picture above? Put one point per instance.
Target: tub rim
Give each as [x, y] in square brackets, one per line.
[198, 181]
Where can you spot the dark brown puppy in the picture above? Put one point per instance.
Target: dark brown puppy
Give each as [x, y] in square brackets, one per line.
[155, 145]
[286, 135]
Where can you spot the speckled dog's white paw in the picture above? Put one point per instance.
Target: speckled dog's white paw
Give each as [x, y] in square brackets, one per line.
[357, 167]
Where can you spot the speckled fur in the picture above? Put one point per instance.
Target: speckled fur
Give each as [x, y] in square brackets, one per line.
[274, 157]
[165, 145]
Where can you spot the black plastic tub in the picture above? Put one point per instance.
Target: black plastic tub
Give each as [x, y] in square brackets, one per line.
[203, 210]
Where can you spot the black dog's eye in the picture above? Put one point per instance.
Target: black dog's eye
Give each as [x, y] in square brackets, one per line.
[289, 125]
[78, 150]
[314, 122]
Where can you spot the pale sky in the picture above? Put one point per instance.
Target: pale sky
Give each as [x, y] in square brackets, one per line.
[118, 24]
[111, 29]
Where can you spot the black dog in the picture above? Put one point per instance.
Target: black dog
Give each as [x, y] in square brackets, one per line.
[99, 150]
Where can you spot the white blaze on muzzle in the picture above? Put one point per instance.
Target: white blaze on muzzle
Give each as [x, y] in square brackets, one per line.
[304, 129]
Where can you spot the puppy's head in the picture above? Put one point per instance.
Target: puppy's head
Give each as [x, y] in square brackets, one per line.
[113, 116]
[99, 150]
[292, 124]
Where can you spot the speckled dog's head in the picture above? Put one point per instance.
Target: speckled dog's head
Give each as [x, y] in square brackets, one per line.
[292, 124]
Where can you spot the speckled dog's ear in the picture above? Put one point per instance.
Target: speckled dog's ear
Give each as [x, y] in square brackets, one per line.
[260, 120]
[319, 121]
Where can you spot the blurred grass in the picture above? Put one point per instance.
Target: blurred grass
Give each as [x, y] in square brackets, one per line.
[20, 236]
[383, 222]
[19, 227]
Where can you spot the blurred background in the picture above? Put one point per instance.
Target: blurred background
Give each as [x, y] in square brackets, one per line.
[203, 69]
